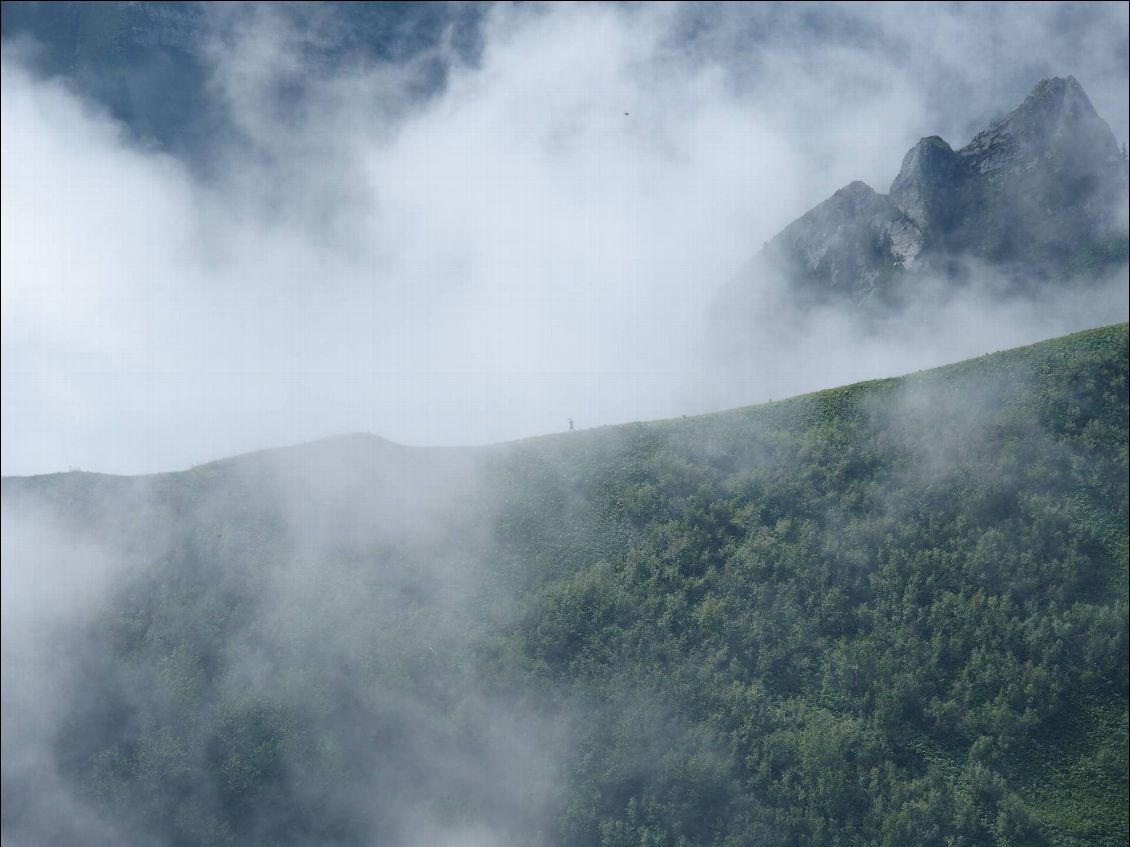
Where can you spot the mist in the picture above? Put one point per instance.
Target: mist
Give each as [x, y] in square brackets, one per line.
[541, 215]
[540, 237]
[293, 640]
[804, 347]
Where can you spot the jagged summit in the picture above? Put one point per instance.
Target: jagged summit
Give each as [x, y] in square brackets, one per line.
[1056, 121]
[1040, 194]
[920, 190]
[850, 242]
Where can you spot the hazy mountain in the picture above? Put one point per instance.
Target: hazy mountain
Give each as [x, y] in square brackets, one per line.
[1039, 196]
[893, 613]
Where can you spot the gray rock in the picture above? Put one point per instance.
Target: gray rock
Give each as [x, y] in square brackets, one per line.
[1041, 195]
[923, 190]
[851, 243]
[1055, 127]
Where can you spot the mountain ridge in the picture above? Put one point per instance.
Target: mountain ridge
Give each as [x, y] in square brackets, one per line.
[372, 440]
[1038, 194]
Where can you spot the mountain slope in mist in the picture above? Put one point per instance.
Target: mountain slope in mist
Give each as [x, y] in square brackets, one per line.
[893, 613]
[1038, 197]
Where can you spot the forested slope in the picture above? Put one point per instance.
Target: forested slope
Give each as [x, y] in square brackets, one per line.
[893, 613]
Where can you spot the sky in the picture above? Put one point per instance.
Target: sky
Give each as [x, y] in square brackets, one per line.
[534, 232]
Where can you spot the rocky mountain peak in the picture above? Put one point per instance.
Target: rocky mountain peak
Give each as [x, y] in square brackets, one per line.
[1056, 123]
[1040, 195]
[853, 197]
[849, 244]
[921, 188]
[856, 188]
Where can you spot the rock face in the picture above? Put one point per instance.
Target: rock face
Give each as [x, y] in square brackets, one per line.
[851, 243]
[1040, 194]
[1056, 124]
[923, 188]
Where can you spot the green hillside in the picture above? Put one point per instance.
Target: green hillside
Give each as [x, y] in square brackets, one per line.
[888, 614]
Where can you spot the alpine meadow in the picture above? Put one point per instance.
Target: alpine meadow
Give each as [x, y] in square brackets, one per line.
[752, 384]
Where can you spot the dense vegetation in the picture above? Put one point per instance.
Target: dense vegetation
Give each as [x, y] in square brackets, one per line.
[892, 614]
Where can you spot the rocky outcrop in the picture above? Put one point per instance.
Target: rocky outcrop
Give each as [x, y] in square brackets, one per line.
[849, 244]
[1041, 194]
[1056, 127]
[1043, 183]
[923, 190]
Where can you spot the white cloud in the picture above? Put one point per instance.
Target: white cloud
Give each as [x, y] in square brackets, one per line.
[477, 266]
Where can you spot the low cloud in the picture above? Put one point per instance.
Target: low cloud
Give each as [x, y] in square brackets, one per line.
[539, 237]
[290, 646]
[813, 347]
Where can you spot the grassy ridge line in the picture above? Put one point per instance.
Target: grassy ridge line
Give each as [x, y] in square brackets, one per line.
[782, 412]
[806, 409]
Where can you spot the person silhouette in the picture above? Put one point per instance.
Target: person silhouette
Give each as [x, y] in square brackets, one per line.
[570, 424]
